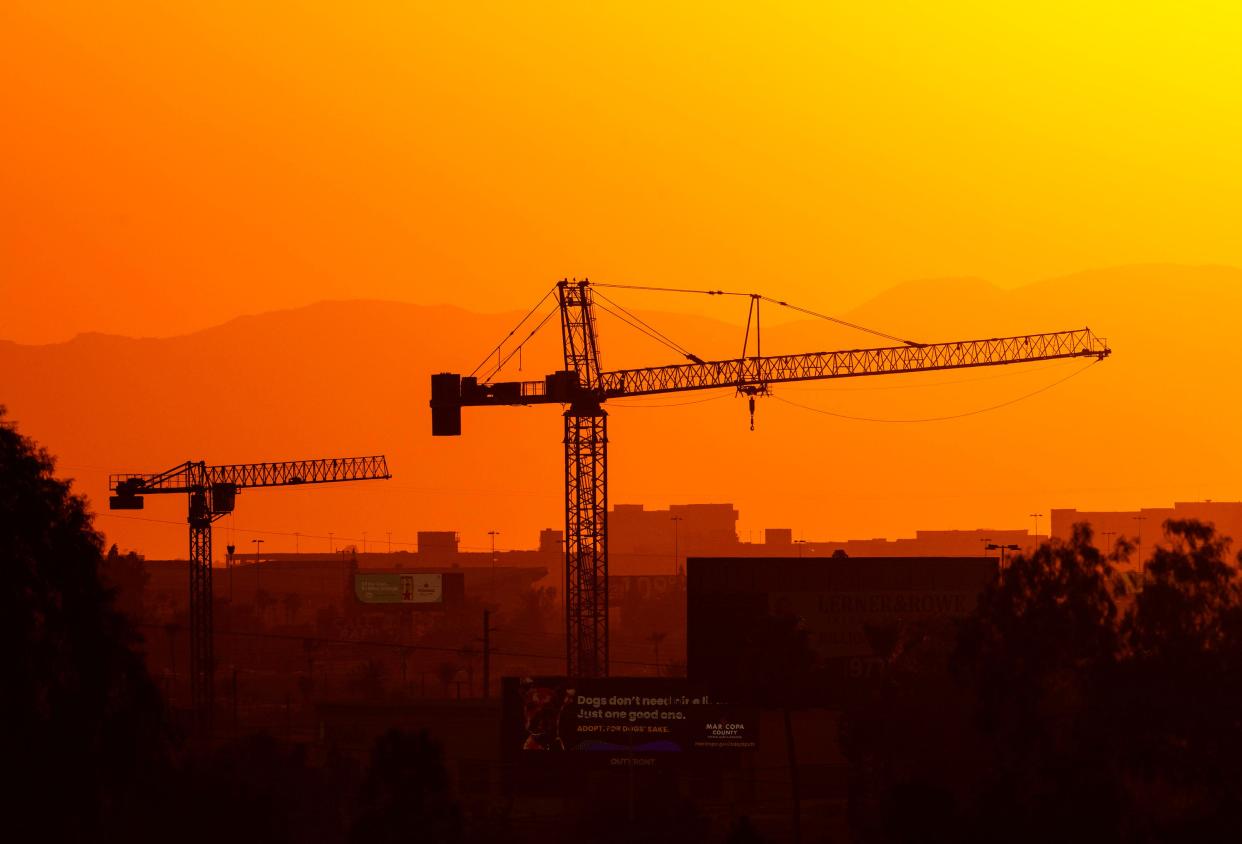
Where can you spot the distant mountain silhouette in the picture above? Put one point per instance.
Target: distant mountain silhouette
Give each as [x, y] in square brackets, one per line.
[1154, 423]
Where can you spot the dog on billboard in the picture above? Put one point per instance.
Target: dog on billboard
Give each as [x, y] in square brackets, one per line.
[543, 701]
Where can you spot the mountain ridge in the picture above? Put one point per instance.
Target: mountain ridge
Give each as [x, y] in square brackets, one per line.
[351, 377]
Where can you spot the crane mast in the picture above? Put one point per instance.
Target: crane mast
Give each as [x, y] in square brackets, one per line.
[586, 491]
[212, 492]
[583, 387]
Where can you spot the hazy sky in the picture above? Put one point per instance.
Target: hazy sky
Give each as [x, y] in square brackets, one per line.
[165, 166]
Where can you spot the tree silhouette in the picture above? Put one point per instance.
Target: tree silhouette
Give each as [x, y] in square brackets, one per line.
[82, 717]
[254, 789]
[1059, 710]
[469, 652]
[263, 601]
[1038, 653]
[446, 673]
[742, 831]
[292, 603]
[372, 677]
[777, 665]
[406, 795]
[1179, 697]
[126, 575]
[909, 780]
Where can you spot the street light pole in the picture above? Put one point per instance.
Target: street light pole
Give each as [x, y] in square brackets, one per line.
[493, 534]
[676, 520]
[1002, 548]
[257, 543]
[487, 653]
[1036, 517]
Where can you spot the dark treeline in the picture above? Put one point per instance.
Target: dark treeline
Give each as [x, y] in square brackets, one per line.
[91, 754]
[1075, 703]
[96, 754]
[1067, 707]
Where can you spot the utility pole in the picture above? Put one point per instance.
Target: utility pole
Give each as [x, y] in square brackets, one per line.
[1108, 534]
[676, 520]
[297, 542]
[487, 653]
[493, 534]
[257, 543]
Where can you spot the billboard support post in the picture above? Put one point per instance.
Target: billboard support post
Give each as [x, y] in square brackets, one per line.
[487, 654]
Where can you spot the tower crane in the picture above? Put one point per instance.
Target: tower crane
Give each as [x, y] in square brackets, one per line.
[212, 493]
[583, 387]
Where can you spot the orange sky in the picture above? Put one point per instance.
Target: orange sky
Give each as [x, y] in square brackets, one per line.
[166, 166]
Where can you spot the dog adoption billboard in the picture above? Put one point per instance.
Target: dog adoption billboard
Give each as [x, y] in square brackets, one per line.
[620, 717]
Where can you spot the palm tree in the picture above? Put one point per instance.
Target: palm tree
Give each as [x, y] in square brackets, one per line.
[468, 652]
[371, 676]
[779, 662]
[293, 605]
[446, 673]
[655, 639]
[263, 601]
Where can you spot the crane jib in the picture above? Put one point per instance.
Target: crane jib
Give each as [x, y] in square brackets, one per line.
[450, 392]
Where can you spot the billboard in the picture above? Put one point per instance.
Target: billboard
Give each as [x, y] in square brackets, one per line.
[851, 611]
[611, 717]
[413, 588]
[626, 589]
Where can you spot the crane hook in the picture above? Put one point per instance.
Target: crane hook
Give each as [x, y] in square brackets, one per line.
[752, 413]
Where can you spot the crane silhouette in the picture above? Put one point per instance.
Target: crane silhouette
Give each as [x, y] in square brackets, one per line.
[583, 388]
[212, 492]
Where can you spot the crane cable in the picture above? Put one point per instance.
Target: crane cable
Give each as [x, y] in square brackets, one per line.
[498, 346]
[1032, 394]
[843, 322]
[638, 324]
[500, 364]
[807, 311]
[669, 341]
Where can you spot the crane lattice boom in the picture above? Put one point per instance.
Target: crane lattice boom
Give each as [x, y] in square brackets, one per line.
[190, 475]
[775, 369]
